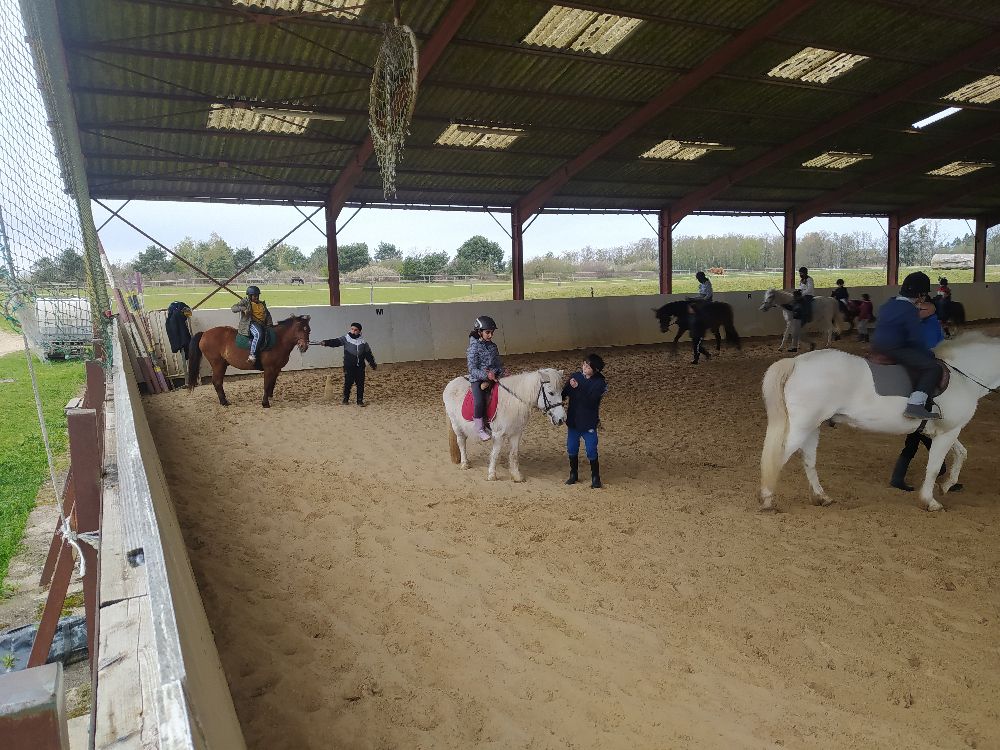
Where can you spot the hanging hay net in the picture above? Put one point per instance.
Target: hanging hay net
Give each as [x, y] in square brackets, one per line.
[393, 94]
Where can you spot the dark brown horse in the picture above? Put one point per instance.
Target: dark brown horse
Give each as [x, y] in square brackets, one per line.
[714, 315]
[219, 347]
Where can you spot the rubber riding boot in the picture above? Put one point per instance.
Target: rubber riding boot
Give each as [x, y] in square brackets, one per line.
[574, 469]
[483, 434]
[595, 474]
[899, 475]
[919, 411]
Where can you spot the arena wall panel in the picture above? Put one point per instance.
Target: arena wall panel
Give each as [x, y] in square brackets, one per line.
[418, 331]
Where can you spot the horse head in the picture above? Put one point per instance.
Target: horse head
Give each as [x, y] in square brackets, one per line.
[298, 330]
[768, 300]
[663, 314]
[550, 395]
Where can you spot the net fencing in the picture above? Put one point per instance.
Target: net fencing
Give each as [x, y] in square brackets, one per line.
[52, 286]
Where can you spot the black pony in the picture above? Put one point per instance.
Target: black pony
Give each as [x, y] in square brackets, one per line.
[951, 314]
[714, 314]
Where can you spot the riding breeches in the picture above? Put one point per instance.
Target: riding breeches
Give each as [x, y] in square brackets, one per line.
[354, 375]
[924, 369]
[589, 437]
[479, 397]
[255, 332]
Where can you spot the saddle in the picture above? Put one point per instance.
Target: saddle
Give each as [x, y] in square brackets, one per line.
[468, 405]
[892, 379]
[267, 341]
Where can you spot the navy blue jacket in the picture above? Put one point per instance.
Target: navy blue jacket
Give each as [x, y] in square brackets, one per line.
[584, 401]
[899, 327]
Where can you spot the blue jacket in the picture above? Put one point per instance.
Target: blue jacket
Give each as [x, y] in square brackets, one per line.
[584, 401]
[899, 327]
[482, 357]
[931, 327]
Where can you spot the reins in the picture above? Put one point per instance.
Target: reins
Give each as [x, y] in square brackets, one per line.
[966, 375]
[541, 390]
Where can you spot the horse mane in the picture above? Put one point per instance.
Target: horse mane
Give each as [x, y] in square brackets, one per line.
[292, 319]
[524, 385]
[956, 346]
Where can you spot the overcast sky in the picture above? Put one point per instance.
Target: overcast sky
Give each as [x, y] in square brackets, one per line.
[420, 231]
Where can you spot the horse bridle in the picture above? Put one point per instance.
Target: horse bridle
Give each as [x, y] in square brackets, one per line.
[549, 406]
[966, 375]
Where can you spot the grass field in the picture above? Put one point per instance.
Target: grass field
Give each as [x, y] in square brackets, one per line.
[23, 467]
[354, 294]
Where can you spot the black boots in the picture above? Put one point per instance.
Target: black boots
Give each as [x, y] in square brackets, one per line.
[574, 469]
[595, 474]
[899, 475]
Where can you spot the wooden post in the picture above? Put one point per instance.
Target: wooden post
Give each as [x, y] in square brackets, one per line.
[666, 245]
[979, 252]
[33, 709]
[517, 253]
[892, 259]
[332, 259]
[788, 261]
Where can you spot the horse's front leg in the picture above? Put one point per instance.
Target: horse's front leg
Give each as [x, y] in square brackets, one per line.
[784, 335]
[680, 332]
[515, 469]
[959, 454]
[270, 378]
[491, 473]
[940, 445]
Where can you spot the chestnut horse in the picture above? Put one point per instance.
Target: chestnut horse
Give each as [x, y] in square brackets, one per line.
[219, 347]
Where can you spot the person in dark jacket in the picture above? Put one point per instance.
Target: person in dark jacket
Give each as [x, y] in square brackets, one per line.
[866, 314]
[899, 336]
[841, 294]
[485, 368]
[356, 353]
[584, 389]
[178, 331]
[696, 328]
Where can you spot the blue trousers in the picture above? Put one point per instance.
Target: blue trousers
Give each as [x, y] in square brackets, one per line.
[254, 334]
[589, 443]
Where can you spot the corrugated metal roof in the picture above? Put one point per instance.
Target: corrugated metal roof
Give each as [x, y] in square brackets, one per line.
[146, 74]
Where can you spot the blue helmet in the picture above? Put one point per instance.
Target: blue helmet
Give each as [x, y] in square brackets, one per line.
[252, 290]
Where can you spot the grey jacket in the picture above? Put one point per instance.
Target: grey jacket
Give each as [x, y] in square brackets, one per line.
[243, 308]
[482, 357]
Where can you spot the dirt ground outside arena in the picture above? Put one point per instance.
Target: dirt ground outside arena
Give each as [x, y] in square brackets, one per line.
[367, 593]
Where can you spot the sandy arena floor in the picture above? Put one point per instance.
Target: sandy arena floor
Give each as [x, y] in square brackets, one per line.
[367, 593]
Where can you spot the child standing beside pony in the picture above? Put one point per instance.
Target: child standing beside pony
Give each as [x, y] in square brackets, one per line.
[585, 389]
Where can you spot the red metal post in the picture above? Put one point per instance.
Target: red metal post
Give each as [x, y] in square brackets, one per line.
[979, 252]
[332, 260]
[892, 261]
[516, 253]
[666, 242]
[788, 261]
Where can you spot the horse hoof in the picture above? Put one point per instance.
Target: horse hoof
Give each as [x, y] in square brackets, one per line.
[491, 477]
[767, 509]
[933, 506]
[464, 467]
[823, 501]
[517, 478]
[266, 406]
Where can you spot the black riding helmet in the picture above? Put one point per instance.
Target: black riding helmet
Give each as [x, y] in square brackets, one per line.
[915, 285]
[485, 323]
[943, 281]
[252, 290]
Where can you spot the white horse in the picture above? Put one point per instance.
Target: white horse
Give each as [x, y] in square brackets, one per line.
[804, 392]
[826, 314]
[518, 393]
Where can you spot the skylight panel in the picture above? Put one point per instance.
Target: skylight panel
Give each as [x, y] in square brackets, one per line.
[683, 150]
[816, 65]
[224, 117]
[984, 91]
[478, 136]
[960, 168]
[935, 117]
[835, 160]
[337, 8]
[581, 30]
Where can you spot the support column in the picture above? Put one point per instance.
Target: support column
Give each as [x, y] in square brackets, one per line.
[666, 243]
[979, 252]
[892, 259]
[332, 259]
[517, 253]
[788, 260]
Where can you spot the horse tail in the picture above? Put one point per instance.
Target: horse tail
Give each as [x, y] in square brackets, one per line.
[194, 360]
[456, 454]
[773, 389]
[732, 337]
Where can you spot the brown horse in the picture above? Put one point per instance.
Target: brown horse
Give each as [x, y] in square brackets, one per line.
[219, 347]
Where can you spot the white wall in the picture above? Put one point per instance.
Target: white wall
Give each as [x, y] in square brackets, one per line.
[409, 332]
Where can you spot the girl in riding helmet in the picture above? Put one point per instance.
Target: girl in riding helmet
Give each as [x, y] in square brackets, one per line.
[485, 366]
[255, 319]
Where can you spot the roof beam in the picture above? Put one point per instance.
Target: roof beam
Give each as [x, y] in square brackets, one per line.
[445, 30]
[693, 201]
[908, 164]
[921, 210]
[739, 45]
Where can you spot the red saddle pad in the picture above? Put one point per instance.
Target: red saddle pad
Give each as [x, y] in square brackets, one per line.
[491, 406]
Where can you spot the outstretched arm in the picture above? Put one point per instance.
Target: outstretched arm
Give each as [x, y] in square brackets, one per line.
[333, 342]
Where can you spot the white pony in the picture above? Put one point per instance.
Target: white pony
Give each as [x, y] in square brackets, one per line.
[826, 314]
[804, 392]
[518, 393]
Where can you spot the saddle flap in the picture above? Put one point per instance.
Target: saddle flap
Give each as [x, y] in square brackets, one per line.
[892, 379]
[469, 405]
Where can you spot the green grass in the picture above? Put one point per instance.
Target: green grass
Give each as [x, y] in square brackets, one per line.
[23, 466]
[357, 294]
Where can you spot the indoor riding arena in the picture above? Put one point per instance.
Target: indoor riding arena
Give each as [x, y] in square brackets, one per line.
[319, 575]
